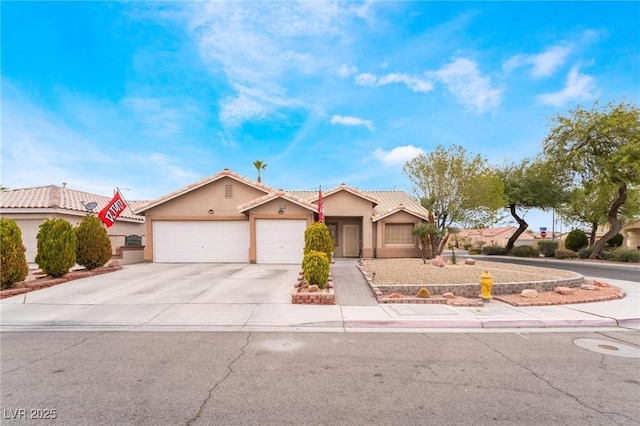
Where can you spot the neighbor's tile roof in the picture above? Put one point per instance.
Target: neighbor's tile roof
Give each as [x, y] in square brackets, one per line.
[224, 173]
[59, 197]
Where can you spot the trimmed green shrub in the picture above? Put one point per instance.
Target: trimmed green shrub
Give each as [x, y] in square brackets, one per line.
[547, 247]
[93, 246]
[576, 240]
[315, 267]
[626, 255]
[317, 237]
[606, 255]
[13, 262]
[494, 250]
[56, 247]
[563, 253]
[474, 251]
[615, 241]
[525, 251]
[585, 252]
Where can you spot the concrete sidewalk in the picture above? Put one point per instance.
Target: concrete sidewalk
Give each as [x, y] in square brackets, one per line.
[96, 303]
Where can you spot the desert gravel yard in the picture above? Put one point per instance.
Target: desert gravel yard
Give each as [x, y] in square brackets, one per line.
[414, 271]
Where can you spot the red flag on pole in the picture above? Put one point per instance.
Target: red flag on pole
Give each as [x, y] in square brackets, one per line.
[111, 211]
[320, 206]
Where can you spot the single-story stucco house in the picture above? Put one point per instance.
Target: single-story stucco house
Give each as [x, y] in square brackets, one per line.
[29, 207]
[229, 218]
[498, 236]
[631, 234]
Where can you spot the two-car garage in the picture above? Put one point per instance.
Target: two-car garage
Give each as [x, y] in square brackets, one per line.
[276, 241]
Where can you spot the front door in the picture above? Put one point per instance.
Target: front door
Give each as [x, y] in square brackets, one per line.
[351, 241]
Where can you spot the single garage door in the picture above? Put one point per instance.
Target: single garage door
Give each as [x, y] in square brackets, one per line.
[280, 240]
[200, 241]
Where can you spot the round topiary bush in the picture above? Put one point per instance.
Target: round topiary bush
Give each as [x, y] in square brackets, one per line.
[576, 240]
[525, 251]
[615, 241]
[93, 246]
[494, 250]
[423, 293]
[315, 267]
[13, 262]
[56, 247]
[317, 237]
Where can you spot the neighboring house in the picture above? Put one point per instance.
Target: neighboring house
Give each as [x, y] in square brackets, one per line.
[230, 218]
[29, 207]
[631, 234]
[496, 236]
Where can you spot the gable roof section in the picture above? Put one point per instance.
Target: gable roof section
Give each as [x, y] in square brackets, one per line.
[344, 187]
[392, 202]
[274, 195]
[224, 173]
[53, 197]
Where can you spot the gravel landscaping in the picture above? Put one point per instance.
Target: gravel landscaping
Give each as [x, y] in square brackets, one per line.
[414, 271]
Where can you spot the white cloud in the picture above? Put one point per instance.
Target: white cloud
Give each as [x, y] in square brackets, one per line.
[352, 121]
[259, 45]
[158, 115]
[345, 70]
[398, 155]
[415, 84]
[543, 64]
[464, 80]
[578, 87]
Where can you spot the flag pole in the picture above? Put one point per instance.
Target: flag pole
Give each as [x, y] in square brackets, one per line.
[125, 201]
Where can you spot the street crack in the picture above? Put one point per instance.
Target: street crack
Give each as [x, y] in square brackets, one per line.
[551, 385]
[219, 382]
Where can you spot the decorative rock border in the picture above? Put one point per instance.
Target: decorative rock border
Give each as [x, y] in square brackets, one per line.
[326, 296]
[40, 283]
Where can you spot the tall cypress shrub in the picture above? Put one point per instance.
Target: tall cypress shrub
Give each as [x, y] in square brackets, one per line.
[317, 237]
[93, 245]
[13, 262]
[56, 247]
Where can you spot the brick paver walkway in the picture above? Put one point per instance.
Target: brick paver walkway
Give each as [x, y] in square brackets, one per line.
[350, 286]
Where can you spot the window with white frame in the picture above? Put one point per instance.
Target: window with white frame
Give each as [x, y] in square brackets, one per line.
[398, 233]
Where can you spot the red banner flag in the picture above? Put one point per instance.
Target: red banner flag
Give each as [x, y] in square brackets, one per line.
[320, 206]
[111, 211]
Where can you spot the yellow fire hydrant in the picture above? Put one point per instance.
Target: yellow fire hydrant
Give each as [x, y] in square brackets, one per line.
[485, 286]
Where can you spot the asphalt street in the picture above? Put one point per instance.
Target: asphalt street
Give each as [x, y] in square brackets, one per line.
[610, 270]
[240, 378]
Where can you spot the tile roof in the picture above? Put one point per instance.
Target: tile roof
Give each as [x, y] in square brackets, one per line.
[386, 202]
[224, 173]
[294, 198]
[59, 197]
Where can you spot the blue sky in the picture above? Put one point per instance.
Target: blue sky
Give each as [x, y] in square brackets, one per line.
[153, 96]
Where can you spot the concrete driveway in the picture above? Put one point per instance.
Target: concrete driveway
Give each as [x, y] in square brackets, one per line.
[164, 295]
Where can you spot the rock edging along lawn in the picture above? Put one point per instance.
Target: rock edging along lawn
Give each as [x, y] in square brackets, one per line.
[304, 294]
[39, 283]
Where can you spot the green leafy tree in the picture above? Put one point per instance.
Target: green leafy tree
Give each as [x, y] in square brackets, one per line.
[56, 247]
[93, 246]
[456, 187]
[589, 205]
[259, 165]
[576, 239]
[598, 148]
[527, 185]
[13, 267]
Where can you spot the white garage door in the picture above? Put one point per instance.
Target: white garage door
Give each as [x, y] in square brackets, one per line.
[280, 241]
[200, 241]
